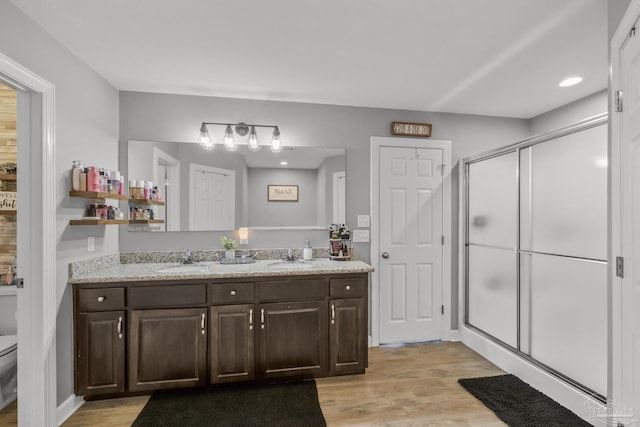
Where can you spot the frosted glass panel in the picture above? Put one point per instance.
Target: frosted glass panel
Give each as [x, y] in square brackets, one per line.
[568, 202]
[567, 316]
[492, 292]
[493, 195]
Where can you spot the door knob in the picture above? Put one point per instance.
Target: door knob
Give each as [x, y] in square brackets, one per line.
[385, 255]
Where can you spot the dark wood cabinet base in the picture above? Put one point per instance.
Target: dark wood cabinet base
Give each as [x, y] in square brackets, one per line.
[135, 337]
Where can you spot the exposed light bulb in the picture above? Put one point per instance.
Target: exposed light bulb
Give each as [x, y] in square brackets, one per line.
[276, 143]
[254, 143]
[229, 140]
[204, 139]
[283, 163]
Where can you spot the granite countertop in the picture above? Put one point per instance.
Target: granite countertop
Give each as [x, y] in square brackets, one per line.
[152, 271]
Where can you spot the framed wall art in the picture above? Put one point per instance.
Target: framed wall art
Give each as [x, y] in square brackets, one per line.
[411, 129]
[282, 193]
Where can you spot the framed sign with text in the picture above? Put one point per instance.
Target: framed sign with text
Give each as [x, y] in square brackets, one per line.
[411, 129]
[282, 193]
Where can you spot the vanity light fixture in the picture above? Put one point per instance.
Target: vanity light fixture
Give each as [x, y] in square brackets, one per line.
[570, 81]
[243, 234]
[241, 129]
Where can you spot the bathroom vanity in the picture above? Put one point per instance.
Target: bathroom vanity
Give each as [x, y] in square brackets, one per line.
[138, 330]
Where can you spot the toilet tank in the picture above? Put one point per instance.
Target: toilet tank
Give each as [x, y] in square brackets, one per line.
[8, 307]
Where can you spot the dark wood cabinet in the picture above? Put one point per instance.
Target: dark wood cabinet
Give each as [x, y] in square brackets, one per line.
[167, 348]
[293, 339]
[347, 348]
[100, 353]
[232, 343]
[197, 332]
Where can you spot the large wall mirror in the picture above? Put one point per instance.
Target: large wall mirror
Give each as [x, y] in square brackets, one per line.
[220, 190]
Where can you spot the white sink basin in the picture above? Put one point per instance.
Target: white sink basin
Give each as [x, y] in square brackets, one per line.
[291, 265]
[183, 269]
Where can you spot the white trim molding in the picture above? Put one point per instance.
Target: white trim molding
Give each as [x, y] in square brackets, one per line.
[377, 142]
[616, 376]
[37, 302]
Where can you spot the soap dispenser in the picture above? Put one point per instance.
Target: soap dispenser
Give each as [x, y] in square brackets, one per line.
[307, 252]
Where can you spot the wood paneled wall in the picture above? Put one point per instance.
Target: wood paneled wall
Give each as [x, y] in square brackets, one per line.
[8, 153]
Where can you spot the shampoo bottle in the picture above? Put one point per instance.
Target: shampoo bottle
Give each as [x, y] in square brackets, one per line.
[93, 180]
[307, 252]
[75, 175]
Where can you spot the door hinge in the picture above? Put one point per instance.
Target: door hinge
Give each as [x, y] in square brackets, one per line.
[618, 100]
[442, 309]
[620, 267]
[443, 240]
[19, 283]
[442, 168]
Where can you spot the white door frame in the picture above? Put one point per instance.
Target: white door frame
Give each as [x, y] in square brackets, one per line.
[616, 376]
[172, 203]
[338, 201]
[376, 143]
[37, 301]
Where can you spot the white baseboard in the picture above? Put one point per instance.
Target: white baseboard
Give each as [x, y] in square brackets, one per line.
[454, 335]
[571, 398]
[68, 407]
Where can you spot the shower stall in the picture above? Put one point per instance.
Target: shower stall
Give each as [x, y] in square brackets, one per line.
[535, 251]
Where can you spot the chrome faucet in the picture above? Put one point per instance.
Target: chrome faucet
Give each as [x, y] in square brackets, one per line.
[290, 256]
[187, 257]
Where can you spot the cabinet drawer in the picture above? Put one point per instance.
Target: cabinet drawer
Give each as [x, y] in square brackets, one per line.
[294, 289]
[347, 287]
[100, 299]
[167, 296]
[231, 293]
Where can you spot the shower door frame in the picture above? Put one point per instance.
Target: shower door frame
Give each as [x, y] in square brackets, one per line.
[588, 123]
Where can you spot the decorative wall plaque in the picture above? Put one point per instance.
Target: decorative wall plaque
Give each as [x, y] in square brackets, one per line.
[411, 129]
[282, 193]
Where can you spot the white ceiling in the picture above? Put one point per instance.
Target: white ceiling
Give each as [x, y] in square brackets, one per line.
[488, 57]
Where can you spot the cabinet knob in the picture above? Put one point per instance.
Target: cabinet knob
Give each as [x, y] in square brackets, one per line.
[233, 293]
[348, 287]
[101, 299]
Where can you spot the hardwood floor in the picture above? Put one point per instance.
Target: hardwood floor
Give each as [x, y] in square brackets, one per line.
[409, 385]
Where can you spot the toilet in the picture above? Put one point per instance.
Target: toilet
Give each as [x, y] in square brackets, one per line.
[8, 345]
[8, 369]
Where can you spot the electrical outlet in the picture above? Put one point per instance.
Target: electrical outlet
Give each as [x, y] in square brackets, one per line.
[91, 244]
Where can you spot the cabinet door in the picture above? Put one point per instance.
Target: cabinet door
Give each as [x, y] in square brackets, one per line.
[348, 334]
[293, 339]
[168, 348]
[100, 357]
[232, 338]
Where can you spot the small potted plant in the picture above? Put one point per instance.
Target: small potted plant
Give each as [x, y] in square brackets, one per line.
[229, 247]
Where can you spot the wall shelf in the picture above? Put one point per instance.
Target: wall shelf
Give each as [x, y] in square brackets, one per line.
[146, 202]
[97, 195]
[9, 212]
[98, 221]
[146, 221]
[5, 177]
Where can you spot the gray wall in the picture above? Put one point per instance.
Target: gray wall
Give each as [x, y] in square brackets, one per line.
[588, 106]
[86, 129]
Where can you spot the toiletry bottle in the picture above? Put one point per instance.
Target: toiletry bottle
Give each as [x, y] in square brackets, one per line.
[75, 175]
[307, 252]
[83, 179]
[93, 180]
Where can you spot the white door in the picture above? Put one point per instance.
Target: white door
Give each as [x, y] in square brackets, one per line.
[630, 158]
[411, 249]
[213, 200]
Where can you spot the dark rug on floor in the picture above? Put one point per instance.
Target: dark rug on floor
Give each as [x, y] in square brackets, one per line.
[518, 404]
[285, 404]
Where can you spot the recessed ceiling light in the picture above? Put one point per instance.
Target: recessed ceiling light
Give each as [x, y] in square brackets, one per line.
[284, 163]
[570, 81]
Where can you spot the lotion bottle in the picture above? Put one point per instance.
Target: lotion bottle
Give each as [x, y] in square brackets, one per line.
[307, 252]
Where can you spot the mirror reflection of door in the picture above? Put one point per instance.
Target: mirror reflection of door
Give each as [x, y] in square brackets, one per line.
[166, 177]
[212, 200]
